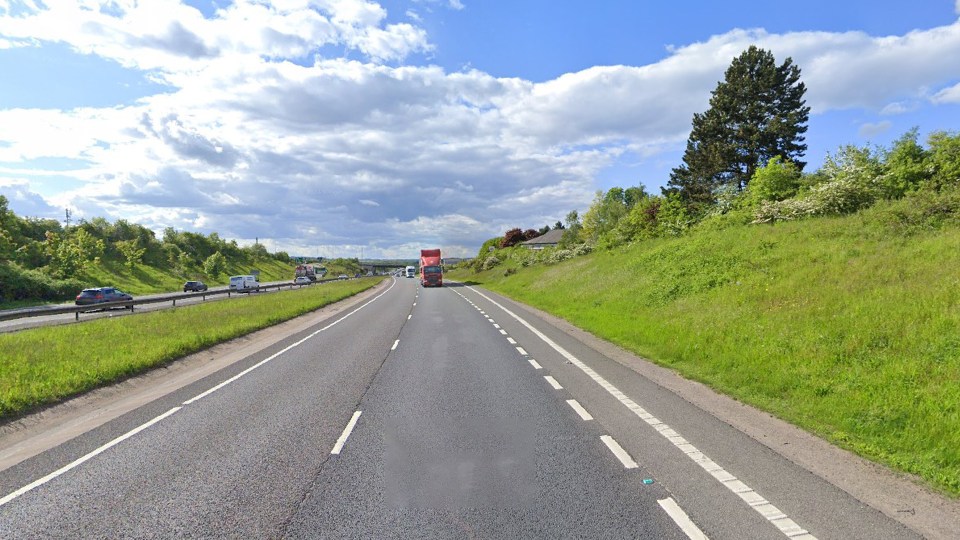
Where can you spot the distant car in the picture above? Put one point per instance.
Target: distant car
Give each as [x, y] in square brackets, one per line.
[101, 295]
[302, 280]
[195, 286]
[343, 276]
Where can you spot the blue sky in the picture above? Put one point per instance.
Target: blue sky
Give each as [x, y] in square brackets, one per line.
[326, 126]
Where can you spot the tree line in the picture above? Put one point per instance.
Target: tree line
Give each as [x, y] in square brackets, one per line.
[44, 259]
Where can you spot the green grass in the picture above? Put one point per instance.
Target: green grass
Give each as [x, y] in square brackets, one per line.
[145, 279]
[832, 324]
[46, 365]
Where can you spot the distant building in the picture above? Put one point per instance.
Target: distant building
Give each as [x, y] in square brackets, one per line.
[549, 239]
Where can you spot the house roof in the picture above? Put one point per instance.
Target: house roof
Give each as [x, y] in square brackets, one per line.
[550, 237]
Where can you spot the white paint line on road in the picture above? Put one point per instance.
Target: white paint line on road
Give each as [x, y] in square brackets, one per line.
[131, 433]
[681, 518]
[41, 481]
[553, 382]
[771, 513]
[414, 303]
[511, 341]
[584, 414]
[346, 433]
[535, 364]
[408, 317]
[502, 331]
[521, 351]
[622, 455]
[395, 343]
[495, 325]
[275, 355]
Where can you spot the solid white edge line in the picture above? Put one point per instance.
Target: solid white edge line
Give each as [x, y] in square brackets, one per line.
[553, 382]
[395, 343]
[39, 482]
[273, 356]
[681, 518]
[346, 433]
[535, 364]
[576, 406]
[622, 455]
[771, 513]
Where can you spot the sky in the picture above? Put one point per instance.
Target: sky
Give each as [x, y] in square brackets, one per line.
[347, 128]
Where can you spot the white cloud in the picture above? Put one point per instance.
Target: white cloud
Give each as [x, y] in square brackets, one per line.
[898, 107]
[252, 141]
[947, 95]
[868, 130]
[24, 202]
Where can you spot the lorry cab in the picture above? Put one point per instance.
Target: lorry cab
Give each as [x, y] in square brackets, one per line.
[431, 268]
[410, 271]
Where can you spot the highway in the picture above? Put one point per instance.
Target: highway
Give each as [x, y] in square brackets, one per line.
[414, 413]
[37, 321]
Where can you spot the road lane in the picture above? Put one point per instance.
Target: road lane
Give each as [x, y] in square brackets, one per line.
[234, 463]
[37, 321]
[709, 497]
[461, 437]
[425, 413]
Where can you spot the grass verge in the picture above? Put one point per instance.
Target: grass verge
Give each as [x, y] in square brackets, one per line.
[45, 365]
[838, 327]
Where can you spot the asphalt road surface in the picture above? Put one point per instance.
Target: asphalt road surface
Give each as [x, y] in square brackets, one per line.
[422, 413]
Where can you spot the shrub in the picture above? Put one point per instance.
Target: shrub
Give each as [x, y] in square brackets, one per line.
[582, 249]
[559, 255]
[490, 262]
[775, 181]
[17, 283]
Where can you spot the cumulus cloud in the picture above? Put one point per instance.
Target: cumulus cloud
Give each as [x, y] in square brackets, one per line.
[264, 134]
[25, 202]
[868, 129]
[947, 95]
[898, 107]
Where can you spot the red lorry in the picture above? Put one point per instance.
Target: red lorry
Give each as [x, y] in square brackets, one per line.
[431, 269]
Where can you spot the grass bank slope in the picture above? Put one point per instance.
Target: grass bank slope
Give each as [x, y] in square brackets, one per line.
[836, 325]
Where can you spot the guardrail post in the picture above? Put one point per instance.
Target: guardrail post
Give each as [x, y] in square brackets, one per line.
[174, 302]
[76, 315]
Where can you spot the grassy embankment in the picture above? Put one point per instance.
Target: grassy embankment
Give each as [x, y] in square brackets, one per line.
[45, 365]
[145, 279]
[842, 326]
[149, 279]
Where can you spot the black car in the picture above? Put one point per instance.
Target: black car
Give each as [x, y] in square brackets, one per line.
[195, 286]
[101, 295]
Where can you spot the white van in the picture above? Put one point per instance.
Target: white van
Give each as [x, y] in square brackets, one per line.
[410, 271]
[244, 283]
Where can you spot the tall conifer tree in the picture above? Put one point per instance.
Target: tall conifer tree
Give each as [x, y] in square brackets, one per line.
[756, 113]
